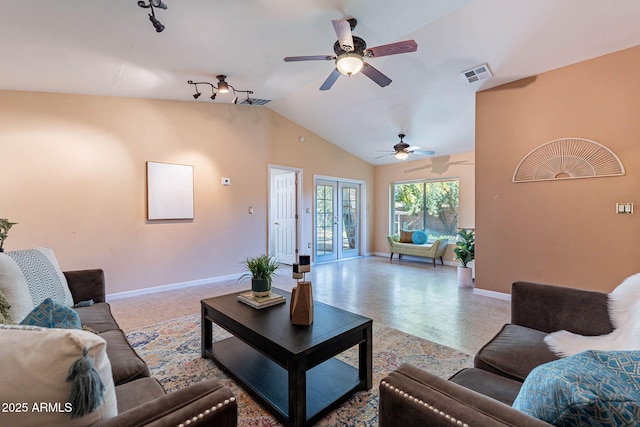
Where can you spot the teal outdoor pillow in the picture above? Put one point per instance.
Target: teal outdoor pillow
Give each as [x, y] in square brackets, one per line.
[592, 388]
[419, 237]
[52, 314]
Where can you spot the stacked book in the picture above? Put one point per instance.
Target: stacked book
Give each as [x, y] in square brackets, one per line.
[261, 302]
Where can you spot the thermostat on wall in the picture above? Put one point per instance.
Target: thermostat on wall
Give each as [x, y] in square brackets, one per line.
[226, 181]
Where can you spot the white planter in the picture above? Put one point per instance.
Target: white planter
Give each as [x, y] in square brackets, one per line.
[465, 278]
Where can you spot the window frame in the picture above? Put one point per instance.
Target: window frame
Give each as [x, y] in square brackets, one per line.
[392, 207]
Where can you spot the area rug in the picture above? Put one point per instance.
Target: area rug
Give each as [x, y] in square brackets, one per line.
[172, 351]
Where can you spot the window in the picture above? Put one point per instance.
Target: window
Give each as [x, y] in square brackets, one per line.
[431, 206]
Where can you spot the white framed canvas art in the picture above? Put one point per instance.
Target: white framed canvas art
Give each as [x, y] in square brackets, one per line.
[169, 191]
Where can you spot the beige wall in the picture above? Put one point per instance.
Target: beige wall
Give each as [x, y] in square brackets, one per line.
[561, 232]
[73, 177]
[461, 166]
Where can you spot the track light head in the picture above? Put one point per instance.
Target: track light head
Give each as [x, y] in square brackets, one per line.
[213, 96]
[223, 86]
[235, 99]
[196, 95]
[159, 4]
[156, 24]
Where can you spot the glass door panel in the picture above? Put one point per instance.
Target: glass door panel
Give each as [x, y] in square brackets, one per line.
[325, 221]
[350, 220]
[337, 220]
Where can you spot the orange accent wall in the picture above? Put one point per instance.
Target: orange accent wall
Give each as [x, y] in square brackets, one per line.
[561, 232]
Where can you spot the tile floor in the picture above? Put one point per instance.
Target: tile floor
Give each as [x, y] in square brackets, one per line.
[411, 296]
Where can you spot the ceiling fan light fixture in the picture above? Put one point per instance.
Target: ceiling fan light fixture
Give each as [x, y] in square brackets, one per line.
[349, 63]
[401, 155]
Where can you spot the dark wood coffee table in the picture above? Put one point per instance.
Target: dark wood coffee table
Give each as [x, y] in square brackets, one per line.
[290, 368]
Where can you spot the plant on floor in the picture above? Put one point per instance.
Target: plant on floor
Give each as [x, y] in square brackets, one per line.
[5, 225]
[465, 247]
[261, 269]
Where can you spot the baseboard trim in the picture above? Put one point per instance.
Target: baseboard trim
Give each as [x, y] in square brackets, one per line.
[172, 286]
[492, 294]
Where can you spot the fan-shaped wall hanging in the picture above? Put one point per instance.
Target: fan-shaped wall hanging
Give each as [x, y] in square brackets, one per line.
[568, 158]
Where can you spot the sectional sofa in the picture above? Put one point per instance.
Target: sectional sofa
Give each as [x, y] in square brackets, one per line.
[483, 395]
[42, 361]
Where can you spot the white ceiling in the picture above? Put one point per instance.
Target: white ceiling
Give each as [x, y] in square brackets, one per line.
[107, 47]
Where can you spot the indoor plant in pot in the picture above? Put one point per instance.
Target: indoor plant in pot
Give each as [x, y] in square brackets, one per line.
[5, 225]
[465, 253]
[261, 269]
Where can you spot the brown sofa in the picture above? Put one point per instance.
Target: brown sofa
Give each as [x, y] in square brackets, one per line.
[141, 399]
[483, 395]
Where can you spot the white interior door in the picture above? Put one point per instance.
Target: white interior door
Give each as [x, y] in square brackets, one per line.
[284, 217]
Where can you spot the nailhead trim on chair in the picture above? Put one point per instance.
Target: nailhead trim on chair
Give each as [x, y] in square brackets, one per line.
[425, 404]
[201, 415]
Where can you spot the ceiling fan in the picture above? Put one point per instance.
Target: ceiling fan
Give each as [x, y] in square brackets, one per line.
[402, 150]
[350, 53]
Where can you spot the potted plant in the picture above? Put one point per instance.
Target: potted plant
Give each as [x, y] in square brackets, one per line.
[261, 269]
[5, 225]
[465, 253]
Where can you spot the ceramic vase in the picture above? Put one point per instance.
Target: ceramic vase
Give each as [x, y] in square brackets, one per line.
[302, 304]
[465, 278]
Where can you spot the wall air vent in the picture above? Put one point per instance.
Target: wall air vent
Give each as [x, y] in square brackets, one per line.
[254, 101]
[475, 74]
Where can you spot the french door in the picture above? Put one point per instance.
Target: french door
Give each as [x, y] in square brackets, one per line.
[337, 220]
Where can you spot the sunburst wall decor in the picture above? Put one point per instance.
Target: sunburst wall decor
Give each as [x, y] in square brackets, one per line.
[568, 158]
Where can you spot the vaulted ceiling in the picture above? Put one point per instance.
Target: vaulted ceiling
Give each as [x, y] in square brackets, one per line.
[110, 48]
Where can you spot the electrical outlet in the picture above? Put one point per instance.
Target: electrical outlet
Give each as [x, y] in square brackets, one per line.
[226, 181]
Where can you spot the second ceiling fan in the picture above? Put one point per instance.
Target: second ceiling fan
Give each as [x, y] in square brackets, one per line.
[402, 150]
[350, 53]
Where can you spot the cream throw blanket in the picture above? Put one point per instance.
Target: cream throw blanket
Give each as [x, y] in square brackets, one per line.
[624, 311]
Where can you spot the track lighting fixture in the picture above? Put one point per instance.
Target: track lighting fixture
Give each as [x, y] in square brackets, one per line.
[152, 16]
[222, 87]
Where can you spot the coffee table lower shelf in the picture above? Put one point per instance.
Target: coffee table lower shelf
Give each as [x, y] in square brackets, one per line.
[328, 384]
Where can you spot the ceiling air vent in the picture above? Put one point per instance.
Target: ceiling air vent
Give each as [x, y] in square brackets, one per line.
[481, 72]
[254, 101]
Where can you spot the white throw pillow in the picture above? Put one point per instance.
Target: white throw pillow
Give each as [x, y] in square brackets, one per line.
[35, 363]
[43, 275]
[14, 287]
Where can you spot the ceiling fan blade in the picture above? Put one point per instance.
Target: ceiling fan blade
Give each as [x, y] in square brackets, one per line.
[412, 148]
[309, 58]
[343, 31]
[375, 75]
[330, 80]
[385, 155]
[393, 48]
[428, 152]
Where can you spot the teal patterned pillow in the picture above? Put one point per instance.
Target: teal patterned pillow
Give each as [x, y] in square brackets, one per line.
[52, 314]
[592, 388]
[419, 237]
